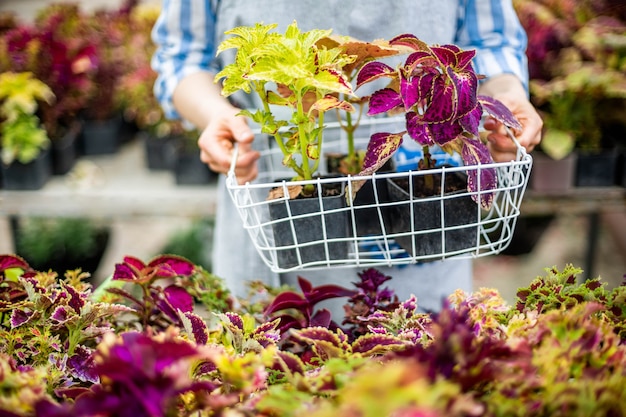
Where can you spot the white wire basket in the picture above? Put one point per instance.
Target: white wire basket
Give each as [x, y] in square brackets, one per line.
[377, 227]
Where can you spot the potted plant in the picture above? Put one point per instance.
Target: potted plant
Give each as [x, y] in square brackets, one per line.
[25, 143]
[436, 89]
[291, 71]
[576, 55]
[102, 116]
[64, 63]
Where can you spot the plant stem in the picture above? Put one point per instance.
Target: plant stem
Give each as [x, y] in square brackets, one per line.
[429, 181]
[303, 139]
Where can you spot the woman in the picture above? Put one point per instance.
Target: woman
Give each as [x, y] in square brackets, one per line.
[187, 34]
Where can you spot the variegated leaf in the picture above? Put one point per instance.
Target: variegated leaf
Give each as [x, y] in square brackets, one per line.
[479, 180]
[499, 111]
[372, 71]
[384, 100]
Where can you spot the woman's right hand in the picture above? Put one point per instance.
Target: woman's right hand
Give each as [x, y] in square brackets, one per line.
[217, 140]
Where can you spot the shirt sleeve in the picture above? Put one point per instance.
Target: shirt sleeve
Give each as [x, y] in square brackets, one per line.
[493, 29]
[184, 35]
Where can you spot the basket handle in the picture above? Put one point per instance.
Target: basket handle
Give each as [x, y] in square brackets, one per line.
[521, 151]
[233, 163]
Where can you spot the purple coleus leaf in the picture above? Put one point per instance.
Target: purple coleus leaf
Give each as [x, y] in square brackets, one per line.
[179, 298]
[499, 111]
[410, 41]
[379, 149]
[172, 300]
[20, 317]
[481, 179]
[61, 315]
[12, 261]
[82, 366]
[170, 266]
[372, 71]
[197, 327]
[166, 266]
[76, 300]
[384, 100]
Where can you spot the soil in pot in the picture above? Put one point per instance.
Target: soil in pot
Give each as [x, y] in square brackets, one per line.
[456, 207]
[300, 227]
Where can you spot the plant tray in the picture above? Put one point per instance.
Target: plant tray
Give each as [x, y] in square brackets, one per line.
[485, 232]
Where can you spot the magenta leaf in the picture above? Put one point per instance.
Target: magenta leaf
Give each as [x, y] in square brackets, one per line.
[321, 318]
[235, 319]
[480, 179]
[60, 315]
[410, 41]
[75, 301]
[418, 130]
[289, 361]
[82, 366]
[446, 54]
[372, 71]
[466, 84]
[443, 105]
[443, 133]
[179, 298]
[379, 149]
[409, 91]
[499, 111]
[124, 272]
[384, 100]
[199, 329]
[12, 261]
[318, 333]
[175, 264]
[134, 262]
[285, 300]
[20, 317]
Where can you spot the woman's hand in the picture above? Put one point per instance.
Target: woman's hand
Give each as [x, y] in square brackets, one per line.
[508, 89]
[217, 140]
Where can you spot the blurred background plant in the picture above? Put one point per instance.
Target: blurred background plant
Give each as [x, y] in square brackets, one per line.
[23, 137]
[57, 50]
[577, 63]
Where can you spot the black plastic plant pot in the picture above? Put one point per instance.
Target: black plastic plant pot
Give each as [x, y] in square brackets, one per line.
[368, 211]
[459, 228]
[101, 137]
[31, 176]
[302, 232]
[596, 169]
[160, 152]
[65, 150]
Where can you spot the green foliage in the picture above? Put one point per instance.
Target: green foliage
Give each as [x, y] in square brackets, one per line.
[46, 242]
[577, 62]
[23, 137]
[66, 352]
[288, 70]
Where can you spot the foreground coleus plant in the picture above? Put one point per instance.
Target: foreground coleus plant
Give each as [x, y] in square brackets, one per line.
[436, 89]
[67, 351]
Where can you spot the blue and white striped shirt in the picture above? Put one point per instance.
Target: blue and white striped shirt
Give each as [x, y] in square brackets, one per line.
[188, 31]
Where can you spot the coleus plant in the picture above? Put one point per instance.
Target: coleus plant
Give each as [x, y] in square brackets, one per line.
[291, 71]
[67, 351]
[436, 89]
